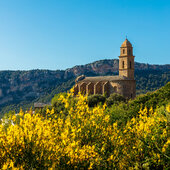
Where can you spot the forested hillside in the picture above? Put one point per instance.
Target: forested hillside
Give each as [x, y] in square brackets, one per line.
[22, 88]
[73, 134]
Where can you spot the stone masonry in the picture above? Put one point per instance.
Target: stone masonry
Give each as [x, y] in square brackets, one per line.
[124, 84]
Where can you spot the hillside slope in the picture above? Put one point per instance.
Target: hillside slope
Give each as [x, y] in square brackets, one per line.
[23, 87]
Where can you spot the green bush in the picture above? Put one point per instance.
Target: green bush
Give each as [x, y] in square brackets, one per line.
[96, 99]
[59, 106]
[115, 99]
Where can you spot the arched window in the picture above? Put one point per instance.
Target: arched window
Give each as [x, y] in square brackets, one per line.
[123, 64]
[123, 51]
[130, 64]
[129, 51]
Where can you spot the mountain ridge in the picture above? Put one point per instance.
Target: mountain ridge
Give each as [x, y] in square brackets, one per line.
[27, 86]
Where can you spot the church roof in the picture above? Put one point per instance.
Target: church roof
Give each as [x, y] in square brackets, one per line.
[104, 78]
[126, 43]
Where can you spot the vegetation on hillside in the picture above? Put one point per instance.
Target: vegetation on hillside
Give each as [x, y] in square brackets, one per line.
[150, 80]
[23, 88]
[121, 108]
[26, 104]
[155, 99]
[72, 135]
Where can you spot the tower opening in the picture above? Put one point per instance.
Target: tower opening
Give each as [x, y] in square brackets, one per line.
[130, 64]
[129, 52]
[123, 64]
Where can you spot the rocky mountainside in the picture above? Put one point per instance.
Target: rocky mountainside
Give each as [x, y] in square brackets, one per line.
[108, 67]
[27, 86]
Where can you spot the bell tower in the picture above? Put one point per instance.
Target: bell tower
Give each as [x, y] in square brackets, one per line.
[126, 60]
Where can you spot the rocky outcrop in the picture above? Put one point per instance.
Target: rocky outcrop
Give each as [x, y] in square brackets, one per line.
[17, 86]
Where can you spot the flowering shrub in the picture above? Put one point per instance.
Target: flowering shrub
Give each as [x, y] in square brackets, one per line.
[85, 137]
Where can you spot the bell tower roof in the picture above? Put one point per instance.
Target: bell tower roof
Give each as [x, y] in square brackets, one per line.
[126, 43]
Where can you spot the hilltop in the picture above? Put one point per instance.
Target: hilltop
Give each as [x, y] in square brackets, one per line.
[18, 88]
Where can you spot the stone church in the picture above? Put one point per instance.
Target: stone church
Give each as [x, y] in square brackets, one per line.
[124, 84]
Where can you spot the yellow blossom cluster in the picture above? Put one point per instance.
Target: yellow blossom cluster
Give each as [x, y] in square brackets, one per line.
[84, 138]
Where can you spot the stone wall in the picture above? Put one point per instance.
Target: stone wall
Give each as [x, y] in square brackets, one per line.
[115, 88]
[106, 88]
[126, 88]
[129, 88]
[90, 88]
[126, 66]
[98, 88]
[82, 88]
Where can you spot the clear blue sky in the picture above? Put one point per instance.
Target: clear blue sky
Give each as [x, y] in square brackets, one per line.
[59, 34]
